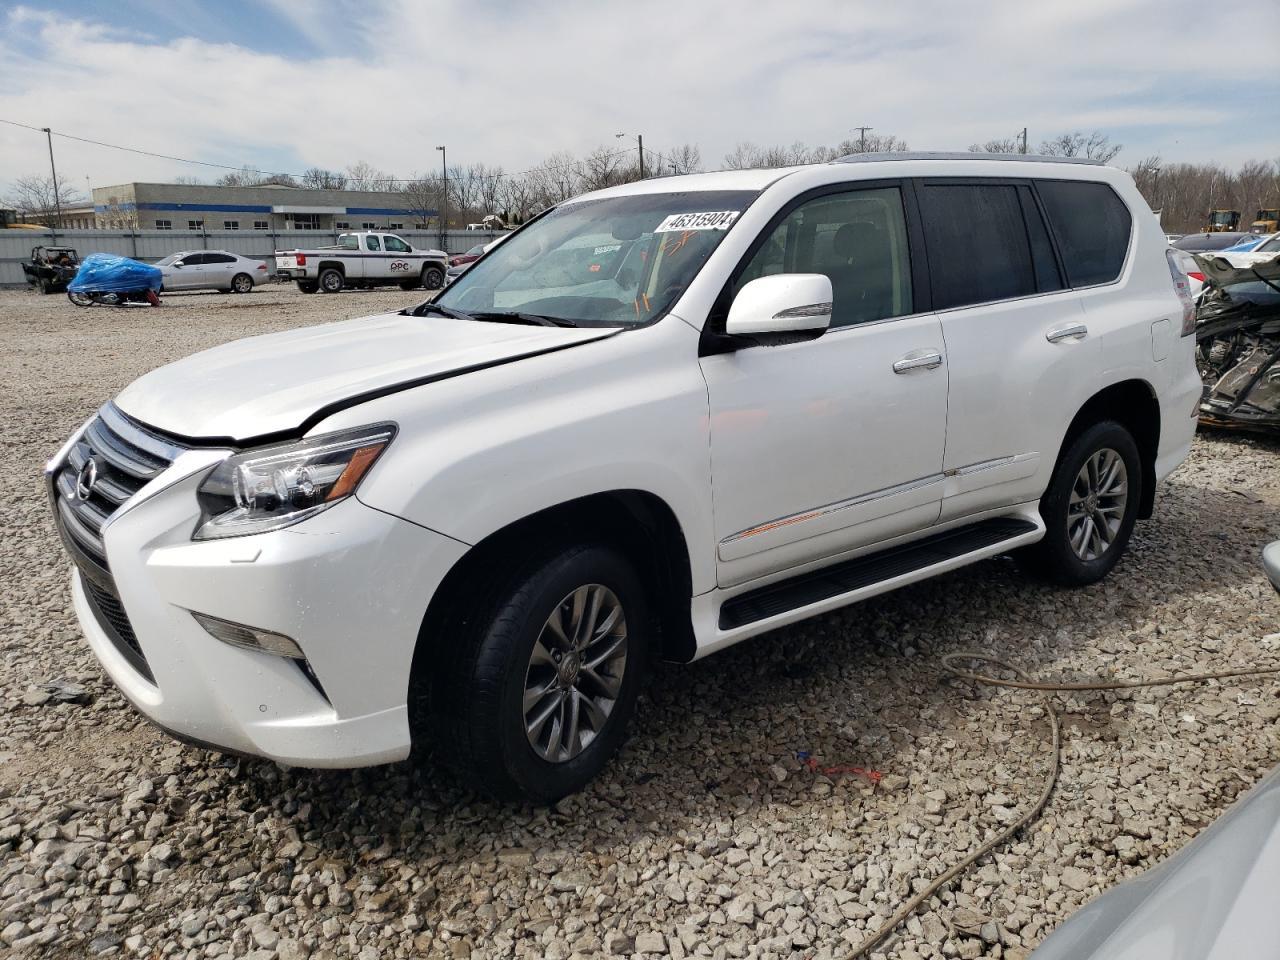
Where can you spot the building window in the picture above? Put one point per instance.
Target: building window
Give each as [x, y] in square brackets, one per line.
[230, 224]
[164, 224]
[306, 221]
[195, 224]
[343, 224]
[395, 226]
[368, 225]
[261, 225]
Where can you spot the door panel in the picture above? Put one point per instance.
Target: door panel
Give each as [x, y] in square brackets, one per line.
[835, 443]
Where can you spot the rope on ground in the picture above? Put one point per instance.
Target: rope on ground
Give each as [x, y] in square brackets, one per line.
[1026, 682]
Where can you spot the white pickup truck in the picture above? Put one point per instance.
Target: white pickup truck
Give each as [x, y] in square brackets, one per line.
[363, 260]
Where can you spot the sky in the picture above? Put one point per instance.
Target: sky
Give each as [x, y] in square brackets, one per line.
[283, 85]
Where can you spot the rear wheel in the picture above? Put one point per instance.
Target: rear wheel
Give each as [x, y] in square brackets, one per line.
[241, 283]
[1090, 507]
[432, 277]
[331, 280]
[539, 680]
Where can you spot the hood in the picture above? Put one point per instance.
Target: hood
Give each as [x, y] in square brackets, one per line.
[1215, 899]
[274, 384]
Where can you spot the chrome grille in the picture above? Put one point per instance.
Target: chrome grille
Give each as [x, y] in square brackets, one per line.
[124, 456]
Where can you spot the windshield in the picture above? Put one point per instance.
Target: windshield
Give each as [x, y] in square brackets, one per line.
[1221, 216]
[608, 262]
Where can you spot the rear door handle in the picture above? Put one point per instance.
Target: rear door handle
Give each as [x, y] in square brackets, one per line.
[1072, 331]
[918, 360]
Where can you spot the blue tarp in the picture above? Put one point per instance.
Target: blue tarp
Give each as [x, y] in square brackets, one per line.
[107, 273]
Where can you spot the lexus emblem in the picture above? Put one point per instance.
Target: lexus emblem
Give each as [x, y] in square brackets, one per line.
[85, 480]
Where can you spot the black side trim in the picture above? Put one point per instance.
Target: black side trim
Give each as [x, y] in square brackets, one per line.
[819, 585]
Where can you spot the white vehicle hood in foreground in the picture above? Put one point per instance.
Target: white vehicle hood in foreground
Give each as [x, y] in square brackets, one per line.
[273, 384]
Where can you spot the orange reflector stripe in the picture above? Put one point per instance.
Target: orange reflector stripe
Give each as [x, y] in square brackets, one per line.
[360, 463]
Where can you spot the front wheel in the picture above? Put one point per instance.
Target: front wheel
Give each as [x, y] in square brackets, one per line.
[1090, 507]
[432, 278]
[80, 299]
[538, 682]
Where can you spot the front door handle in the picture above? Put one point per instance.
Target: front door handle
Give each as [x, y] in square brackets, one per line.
[918, 360]
[1072, 331]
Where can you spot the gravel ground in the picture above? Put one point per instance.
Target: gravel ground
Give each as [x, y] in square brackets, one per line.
[708, 836]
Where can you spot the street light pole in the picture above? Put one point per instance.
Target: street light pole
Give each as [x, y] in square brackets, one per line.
[1024, 140]
[57, 200]
[640, 141]
[444, 200]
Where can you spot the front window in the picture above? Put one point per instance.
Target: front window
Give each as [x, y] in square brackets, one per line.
[606, 262]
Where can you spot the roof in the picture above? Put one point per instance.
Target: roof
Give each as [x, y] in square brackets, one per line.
[966, 155]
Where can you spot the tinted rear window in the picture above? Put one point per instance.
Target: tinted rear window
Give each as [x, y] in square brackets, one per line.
[1092, 225]
[977, 242]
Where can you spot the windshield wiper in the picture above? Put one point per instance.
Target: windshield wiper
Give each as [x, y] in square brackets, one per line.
[536, 319]
[426, 308]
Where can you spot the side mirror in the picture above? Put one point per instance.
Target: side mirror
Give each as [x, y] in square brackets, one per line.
[782, 308]
[178, 264]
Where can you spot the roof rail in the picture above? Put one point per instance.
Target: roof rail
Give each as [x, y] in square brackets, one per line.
[966, 155]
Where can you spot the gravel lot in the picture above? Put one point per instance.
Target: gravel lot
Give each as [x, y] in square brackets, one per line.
[708, 836]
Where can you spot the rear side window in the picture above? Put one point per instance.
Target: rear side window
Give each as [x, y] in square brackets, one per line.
[1092, 226]
[977, 243]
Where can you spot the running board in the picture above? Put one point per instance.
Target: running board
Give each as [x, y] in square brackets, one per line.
[866, 571]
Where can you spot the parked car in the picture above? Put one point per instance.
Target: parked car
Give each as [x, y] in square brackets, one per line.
[657, 420]
[50, 269]
[1202, 242]
[458, 269]
[1214, 899]
[211, 270]
[363, 260]
[1190, 268]
[1266, 249]
[472, 255]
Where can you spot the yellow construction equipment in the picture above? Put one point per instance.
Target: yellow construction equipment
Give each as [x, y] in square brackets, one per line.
[1267, 221]
[1222, 221]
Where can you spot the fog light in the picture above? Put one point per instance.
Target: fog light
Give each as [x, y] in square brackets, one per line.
[251, 638]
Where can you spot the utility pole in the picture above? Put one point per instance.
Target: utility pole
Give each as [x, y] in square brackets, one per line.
[640, 140]
[1024, 141]
[444, 200]
[57, 200]
[862, 138]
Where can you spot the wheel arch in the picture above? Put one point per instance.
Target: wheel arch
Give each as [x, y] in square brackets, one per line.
[1133, 404]
[641, 524]
[331, 264]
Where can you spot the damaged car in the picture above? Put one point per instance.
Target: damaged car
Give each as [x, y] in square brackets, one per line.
[1238, 344]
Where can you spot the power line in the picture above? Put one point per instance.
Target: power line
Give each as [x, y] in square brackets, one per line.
[579, 165]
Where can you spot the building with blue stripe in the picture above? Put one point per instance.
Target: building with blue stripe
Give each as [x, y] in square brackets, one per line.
[268, 208]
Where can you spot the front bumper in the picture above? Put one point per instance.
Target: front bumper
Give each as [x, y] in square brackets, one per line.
[350, 586]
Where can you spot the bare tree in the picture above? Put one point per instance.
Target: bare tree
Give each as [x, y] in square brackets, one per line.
[873, 143]
[1093, 146]
[686, 158]
[244, 177]
[362, 175]
[189, 181]
[517, 198]
[1187, 193]
[999, 145]
[33, 197]
[320, 179]
[422, 197]
[605, 167]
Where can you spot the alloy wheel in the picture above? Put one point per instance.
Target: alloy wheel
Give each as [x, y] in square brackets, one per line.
[575, 673]
[1095, 510]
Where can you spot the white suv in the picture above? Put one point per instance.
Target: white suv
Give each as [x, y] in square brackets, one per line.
[657, 420]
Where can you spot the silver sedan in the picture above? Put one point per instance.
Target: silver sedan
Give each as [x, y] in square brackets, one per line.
[211, 270]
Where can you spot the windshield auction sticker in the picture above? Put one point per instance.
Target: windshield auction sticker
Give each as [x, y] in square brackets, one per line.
[716, 220]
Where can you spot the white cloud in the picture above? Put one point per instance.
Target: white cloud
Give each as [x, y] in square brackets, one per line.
[511, 83]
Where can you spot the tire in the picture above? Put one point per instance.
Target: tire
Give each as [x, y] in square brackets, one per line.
[478, 720]
[80, 299]
[241, 283]
[432, 277]
[331, 280]
[308, 286]
[1089, 508]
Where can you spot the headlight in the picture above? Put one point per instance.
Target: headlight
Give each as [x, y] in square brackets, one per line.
[274, 487]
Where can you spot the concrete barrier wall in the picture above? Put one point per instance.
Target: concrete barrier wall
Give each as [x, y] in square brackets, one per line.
[152, 245]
